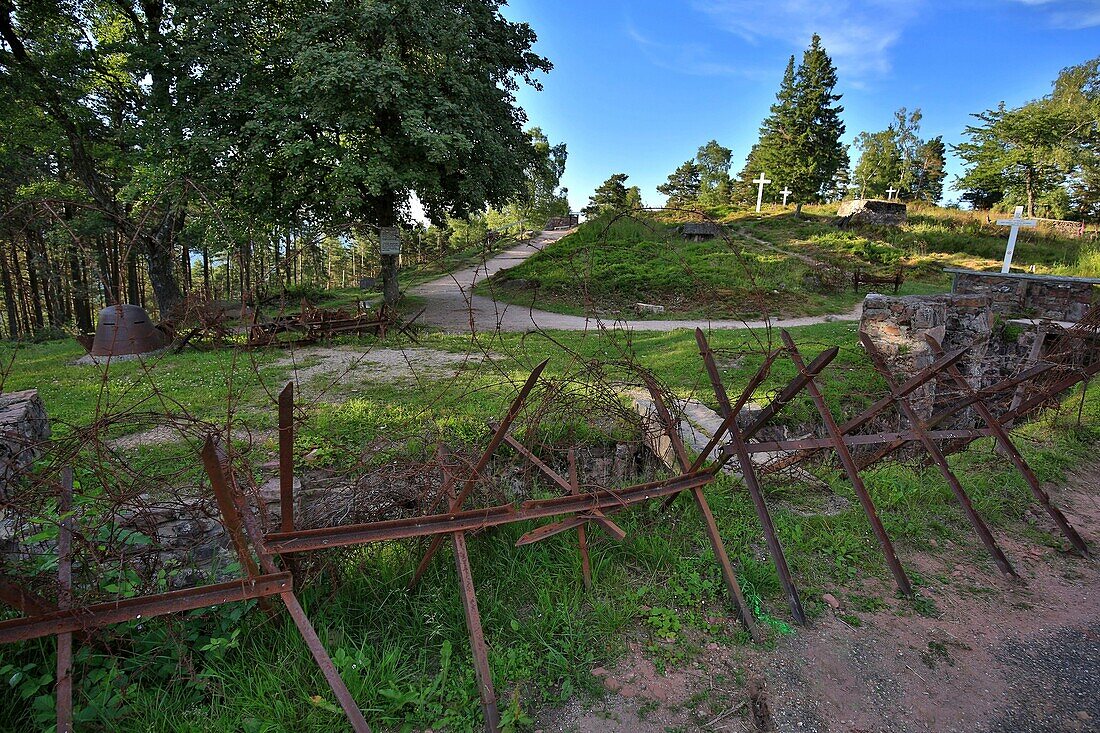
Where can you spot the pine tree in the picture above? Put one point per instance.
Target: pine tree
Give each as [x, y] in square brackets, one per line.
[611, 195]
[682, 187]
[799, 142]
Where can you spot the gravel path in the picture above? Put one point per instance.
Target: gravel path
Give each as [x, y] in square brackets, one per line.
[451, 304]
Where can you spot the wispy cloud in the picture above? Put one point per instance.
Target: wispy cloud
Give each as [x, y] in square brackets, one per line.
[687, 58]
[858, 34]
[1069, 14]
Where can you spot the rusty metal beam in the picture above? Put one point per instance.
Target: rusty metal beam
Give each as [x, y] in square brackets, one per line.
[717, 544]
[1006, 444]
[752, 483]
[483, 461]
[475, 519]
[320, 656]
[478, 648]
[129, 609]
[582, 532]
[1006, 419]
[940, 460]
[865, 501]
[286, 458]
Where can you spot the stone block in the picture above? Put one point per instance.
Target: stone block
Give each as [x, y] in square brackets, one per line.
[24, 430]
[873, 211]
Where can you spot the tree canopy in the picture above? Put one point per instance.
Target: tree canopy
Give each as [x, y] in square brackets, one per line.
[264, 118]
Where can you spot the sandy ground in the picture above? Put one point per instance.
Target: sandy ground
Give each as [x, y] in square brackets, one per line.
[451, 305]
[997, 656]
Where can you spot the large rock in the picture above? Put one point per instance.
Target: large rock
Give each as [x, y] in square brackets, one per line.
[24, 428]
[872, 211]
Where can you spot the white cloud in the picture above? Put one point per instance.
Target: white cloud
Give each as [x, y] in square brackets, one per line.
[857, 34]
[1068, 14]
[687, 58]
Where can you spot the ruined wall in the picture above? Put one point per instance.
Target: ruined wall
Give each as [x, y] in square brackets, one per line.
[897, 327]
[1030, 296]
[24, 427]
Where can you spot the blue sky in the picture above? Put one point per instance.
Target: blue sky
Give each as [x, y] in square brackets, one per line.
[638, 86]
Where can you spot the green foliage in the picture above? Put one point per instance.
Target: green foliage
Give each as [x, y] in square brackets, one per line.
[609, 197]
[681, 190]
[1042, 155]
[799, 142]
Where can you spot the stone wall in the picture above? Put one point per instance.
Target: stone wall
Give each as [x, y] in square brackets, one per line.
[24, 427]
[897, 327]
[1029, 296]
[872, 211]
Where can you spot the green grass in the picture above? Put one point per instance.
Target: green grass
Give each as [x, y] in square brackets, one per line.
[607, 269]
[404, 654]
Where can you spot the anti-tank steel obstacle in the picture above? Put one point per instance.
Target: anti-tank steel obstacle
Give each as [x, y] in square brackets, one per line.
[261, 555]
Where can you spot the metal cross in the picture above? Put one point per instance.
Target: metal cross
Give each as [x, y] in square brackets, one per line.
[1015, 222]
[786, 192]
[760, 193]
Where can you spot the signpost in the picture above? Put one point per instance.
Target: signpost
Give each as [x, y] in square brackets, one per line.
[390, 240]
[1015, 222]
[760, 193]
[786, 192]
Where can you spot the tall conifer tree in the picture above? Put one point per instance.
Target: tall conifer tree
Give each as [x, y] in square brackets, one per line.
[799, 142]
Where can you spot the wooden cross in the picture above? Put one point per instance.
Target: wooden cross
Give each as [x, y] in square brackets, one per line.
[890, 192]
[786, 192]
[1015, 222]
[760, 192]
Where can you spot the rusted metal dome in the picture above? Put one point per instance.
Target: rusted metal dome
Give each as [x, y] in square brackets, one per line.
[126, 329]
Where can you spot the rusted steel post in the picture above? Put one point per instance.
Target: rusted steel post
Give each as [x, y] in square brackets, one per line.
[286, 458]
[748, 475]
[328, 669]
[231, 517]
[900, 578]
[938, 458]
[64, 601]
[715, 537]
[235, 512]
[483, 461]
[746, 394]
[477, 637]
[1009, 449]
[479, 650]
[582, 536]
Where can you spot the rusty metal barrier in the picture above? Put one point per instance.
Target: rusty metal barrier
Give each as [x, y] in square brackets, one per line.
[576, 509]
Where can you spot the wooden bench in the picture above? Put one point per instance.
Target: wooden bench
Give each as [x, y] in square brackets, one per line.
[859, 277]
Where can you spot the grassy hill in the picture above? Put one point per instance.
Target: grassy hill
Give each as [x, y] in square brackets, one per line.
[768, 263]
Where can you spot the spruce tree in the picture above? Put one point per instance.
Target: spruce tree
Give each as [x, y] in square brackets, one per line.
[799, 142]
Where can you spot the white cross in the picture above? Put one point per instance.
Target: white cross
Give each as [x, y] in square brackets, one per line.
[1015, 222]
[760, 193]
[890, 192]
[786, 192]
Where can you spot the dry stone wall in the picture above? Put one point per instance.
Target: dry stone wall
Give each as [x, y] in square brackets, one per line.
[1029, 296]
[24, 428]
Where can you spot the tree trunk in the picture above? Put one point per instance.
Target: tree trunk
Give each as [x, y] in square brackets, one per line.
[81, 305]
[9, 295]
[798, 210]
[206, 270]
[132, 284]
[20, 288]
[386, 216]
